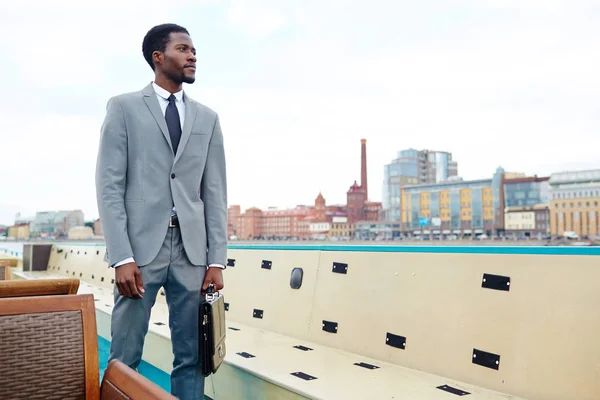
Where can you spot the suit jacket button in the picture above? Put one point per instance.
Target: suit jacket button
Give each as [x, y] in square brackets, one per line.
[172, 176]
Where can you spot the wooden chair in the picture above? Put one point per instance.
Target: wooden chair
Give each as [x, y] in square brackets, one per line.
[49, 350]
[4, 270]
[38, 287]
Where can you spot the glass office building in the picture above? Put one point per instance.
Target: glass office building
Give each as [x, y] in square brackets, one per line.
[526, 192]
[412, 167]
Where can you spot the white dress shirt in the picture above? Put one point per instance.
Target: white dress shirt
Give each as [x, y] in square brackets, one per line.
[163, 100]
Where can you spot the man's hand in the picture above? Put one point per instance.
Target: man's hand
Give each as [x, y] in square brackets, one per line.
[129, 280]
[213, 275]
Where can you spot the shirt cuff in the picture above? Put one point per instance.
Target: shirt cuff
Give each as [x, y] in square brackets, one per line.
[217, 266]
[125, 261]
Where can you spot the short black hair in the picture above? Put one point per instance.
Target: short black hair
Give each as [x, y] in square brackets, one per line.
[157, 38]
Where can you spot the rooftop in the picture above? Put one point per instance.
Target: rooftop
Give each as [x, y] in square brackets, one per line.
[449, 184]
[592, 175]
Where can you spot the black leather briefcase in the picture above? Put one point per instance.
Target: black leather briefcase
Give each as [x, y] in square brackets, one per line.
[212, 331]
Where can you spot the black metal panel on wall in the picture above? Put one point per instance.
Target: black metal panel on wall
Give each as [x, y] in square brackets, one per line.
[36, 257]
[41, 256]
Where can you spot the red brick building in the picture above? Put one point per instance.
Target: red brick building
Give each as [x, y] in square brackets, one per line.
[358, 206]
[233, 213]
[273, 223]
[296, 222]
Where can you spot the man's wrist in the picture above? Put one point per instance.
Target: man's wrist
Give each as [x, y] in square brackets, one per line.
[125, 261]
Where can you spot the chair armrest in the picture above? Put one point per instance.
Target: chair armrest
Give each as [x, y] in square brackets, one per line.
[122, 383]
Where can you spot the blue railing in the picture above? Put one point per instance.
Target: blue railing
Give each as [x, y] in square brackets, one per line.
[384, 248]
[499, 249]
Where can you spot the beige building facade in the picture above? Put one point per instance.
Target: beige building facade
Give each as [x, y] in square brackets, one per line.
[19, 232]
[575, 203]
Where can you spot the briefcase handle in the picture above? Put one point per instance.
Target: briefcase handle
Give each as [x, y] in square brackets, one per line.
[210, 292]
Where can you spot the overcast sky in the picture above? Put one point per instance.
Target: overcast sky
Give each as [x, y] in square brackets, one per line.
[297, 84]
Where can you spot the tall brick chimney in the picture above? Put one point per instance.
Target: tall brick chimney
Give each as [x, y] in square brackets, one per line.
[363, 167]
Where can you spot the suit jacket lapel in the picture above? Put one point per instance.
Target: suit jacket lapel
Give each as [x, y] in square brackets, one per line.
[190, 116]
[152, 103]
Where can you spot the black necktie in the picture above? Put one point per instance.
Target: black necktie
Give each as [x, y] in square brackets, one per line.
[173, 123]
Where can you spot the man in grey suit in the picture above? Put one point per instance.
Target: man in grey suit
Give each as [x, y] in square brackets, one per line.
[162, 197]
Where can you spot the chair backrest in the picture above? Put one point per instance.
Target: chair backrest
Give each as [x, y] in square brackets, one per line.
[49, 345]
[38, 287]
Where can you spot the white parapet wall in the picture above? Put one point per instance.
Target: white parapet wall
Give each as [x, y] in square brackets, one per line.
[496, 322]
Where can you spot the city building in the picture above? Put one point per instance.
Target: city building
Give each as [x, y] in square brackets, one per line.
[43, 224]
[56, 223]
[80, 232]
[233, 213]
[575, 203]
[526, 206]
[377, 230]
[341, 229]
[19, 220]
[373, 210]
[320, 230]
[64, 221]
[358, 195]
[527, 221]
[358, 206]
[301, 222]
[98, 228]
[413, 167]
[526, 191]
[455, 207]
[248, 224]
[19, 231]
[462, 208]
[274, 223]
[320, 211]
[305, 222]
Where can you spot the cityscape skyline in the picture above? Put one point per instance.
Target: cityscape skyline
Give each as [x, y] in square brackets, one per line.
[420, 185]
[339, 198]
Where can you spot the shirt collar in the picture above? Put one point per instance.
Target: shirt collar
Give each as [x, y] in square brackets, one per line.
[165, 94]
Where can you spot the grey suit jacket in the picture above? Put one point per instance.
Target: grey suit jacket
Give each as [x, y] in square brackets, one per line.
[139, 179]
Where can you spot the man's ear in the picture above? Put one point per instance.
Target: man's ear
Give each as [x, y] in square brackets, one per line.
[157, 57]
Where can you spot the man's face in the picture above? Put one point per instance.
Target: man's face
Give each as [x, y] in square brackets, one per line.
[179, 60]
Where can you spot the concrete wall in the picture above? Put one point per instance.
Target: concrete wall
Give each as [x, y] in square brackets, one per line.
[543, 326]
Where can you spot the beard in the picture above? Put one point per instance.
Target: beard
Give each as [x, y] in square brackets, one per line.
[187, 79]
[180, 77]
